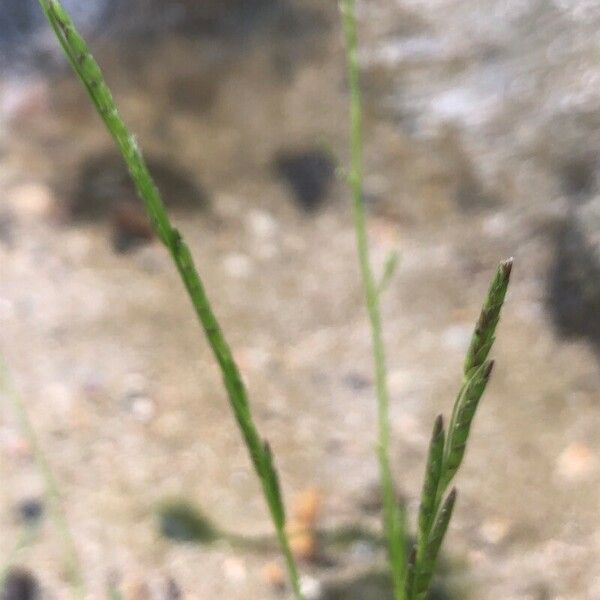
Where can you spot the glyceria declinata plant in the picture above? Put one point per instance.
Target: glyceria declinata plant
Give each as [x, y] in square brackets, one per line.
[412, 576]
[411, 570]
[84, 64]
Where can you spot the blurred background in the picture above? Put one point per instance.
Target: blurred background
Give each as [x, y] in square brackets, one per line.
[482, 141]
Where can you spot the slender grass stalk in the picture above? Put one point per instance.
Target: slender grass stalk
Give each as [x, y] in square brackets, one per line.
[394, 517]
[89, 72]
[52, 490]
[447, 450]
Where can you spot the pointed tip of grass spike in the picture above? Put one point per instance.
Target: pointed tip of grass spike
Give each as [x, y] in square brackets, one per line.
[506, 266]
[483, 336]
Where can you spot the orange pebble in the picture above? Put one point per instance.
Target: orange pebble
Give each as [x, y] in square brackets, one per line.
[273, 575]
[306, 507]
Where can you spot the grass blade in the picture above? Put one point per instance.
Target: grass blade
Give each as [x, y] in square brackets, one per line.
[52, 490]
[393, 515]
[389, 269]
[91, 76]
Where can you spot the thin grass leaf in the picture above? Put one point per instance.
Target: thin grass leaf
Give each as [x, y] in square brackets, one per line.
[425, 574]
[274, 489]
[389, 269]
[51, 486]
[484, 334]
[91, 76]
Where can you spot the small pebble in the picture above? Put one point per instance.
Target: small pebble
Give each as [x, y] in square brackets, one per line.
[143, 409]
[311, 588]
[576, 462]
[309, 173]
[494, 531]
[307, 505]
[237, 265]
[261, 224]
[274, 575]
[30, 511]
[31, 201]
[234, 569]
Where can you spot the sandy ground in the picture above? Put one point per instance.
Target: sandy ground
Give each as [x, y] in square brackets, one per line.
[123, 391]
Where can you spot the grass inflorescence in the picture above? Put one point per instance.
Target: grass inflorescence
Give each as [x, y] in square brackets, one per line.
[412, 575]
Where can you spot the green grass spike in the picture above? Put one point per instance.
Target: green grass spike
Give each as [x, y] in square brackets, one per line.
[484, 334]
[91, 76]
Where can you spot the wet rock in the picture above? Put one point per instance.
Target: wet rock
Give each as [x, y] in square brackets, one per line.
[19, 584]
[105, 187]
[308, 173]
[574, 294]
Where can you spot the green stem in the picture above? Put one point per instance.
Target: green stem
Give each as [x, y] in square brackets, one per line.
[91, 76]
[52, 490]
[393, 516]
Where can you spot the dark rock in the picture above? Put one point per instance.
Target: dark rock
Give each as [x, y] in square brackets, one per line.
[30, 511]
[131, 227]
[182, 522]
[104, 186]
[309, 173]
[173, 590]
[574, 286]
[579, 175]
[19, 584]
